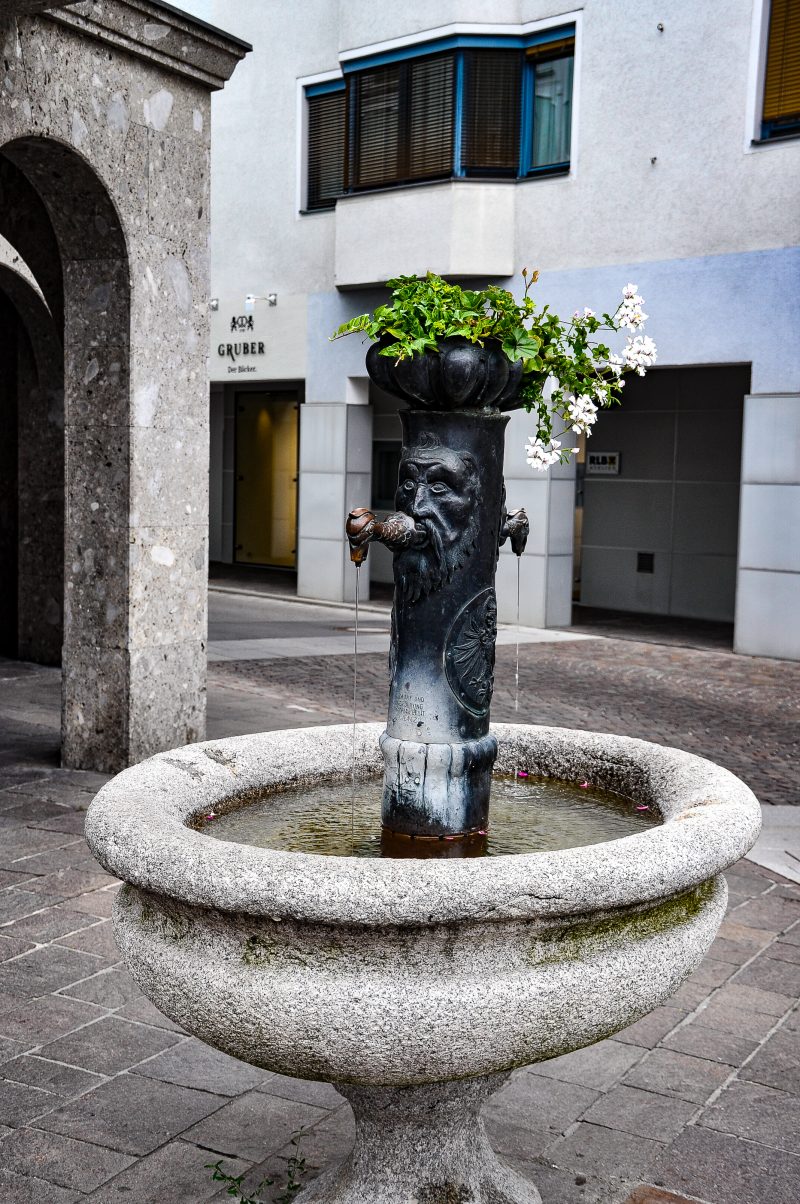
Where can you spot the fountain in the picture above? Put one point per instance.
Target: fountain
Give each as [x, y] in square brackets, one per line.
[417, 981]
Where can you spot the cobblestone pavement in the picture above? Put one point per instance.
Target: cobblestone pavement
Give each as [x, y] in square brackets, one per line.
[104, 1099]
[743, 712]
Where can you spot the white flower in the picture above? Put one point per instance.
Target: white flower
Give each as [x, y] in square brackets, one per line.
[540, 456]
[630, 314]
[640, 353]
[616, 363]
[588, 313]
[581, 413]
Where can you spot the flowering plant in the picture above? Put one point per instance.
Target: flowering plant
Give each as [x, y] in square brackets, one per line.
[567, 373]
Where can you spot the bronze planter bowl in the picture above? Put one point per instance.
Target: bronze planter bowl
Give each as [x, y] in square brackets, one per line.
[460, 375]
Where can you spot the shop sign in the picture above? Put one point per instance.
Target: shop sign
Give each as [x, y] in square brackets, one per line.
[599, 464]
[239, 354]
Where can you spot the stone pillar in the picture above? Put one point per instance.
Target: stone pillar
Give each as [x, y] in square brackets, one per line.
[105, 123]
[335, 476]
[545, 568]
[768, 576]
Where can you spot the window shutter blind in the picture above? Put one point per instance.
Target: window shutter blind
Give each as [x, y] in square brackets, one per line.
[376, 154]
[490, 139]
[326, 115]
[782, 81]
[430, 117]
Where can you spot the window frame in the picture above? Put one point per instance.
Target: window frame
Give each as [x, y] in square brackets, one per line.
[520, 40]
[756, 137]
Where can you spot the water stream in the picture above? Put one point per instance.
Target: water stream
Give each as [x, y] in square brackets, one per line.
[355, 700]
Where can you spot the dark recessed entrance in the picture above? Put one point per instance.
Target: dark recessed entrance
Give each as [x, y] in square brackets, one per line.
[657, 532]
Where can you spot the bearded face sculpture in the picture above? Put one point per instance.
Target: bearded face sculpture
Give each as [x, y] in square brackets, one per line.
[438, 489]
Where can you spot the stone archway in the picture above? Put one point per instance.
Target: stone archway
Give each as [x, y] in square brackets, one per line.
[32, 474]
[104, 138]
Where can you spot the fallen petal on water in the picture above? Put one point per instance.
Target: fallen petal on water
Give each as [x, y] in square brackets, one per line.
[584, 785]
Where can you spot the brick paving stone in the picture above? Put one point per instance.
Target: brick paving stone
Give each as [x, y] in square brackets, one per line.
[525, 1116]
[29, 811]
[17, 902]
[98, 939]
[305, 1091]
[596, 1149]
[785, 952]
[753, 940]
[558, 1186]
[777, 1063]
[109, 988]
[24, 841]
[668, 1072]
[38, 1071]
[725, 1170]
[252, 1126]
[73, 823]
[143, 1011]
[643, 1113]
[688, 997]
[39, 1020]
[654, 1195]
[75, 855]
[131, 1114]
[596, 1066]
[26, 1189]
[109, 1046]
[61, 1160]
[711, 973]
[14, 878]
[773, 912]
[20, 1103]
[328, 1141]
[752, 998]
[175, 1174]
[50, 923]
[69, 882]
[771, 974]
[192, 1064]
[757, 1113]
[97, 903]
[61, 789]
[746, 884]
[651, 1029]
[702, 1042]
[12, 947]
[44, 970]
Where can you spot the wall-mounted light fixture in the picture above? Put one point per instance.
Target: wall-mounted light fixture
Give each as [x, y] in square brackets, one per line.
[251, 298]
[214, 304]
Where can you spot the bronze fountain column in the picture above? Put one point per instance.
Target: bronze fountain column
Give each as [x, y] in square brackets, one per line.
[445, 536]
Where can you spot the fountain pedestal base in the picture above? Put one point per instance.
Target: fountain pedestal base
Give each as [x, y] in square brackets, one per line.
[421, 1145]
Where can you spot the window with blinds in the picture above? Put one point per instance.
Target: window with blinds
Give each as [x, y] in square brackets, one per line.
[326, 125]
[401, 116]
[490, 139]
[781, 113]
[462, 109]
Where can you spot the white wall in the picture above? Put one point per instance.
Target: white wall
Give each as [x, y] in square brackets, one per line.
[702, 229]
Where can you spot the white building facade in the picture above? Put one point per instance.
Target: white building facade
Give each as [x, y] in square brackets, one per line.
[600, 145]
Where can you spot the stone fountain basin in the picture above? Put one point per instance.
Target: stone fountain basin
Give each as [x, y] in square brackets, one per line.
[401, 972]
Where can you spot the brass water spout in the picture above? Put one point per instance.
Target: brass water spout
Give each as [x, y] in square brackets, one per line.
[395, 532]
[516, 528]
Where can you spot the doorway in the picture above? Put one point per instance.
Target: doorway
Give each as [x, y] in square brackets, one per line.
[267, 443]
[658, 497]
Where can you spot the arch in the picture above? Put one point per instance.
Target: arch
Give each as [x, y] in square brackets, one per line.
[59, 215]
[32, 480]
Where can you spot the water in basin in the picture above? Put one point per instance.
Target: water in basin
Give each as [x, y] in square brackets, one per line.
[528, 815]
